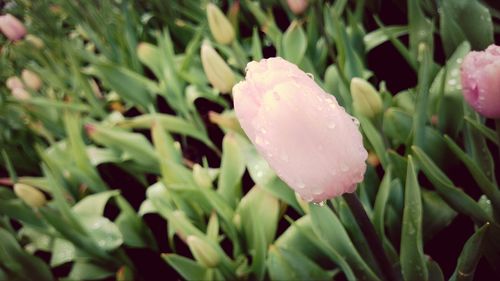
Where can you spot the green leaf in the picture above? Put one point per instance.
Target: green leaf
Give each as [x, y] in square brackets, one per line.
[437, 214]
[131, 86]
[375, 139]
[300, 237]
[381, 201]
[337, 239]
[78, 151]
[132, 146]
[470, 255]
[420, 28]
[62, 252]
[435, 272]
[93, 205]
[231, 170]
[286, 264]
[294, 43]
[381, 35]
[256, 46]
[83, 270]
[465, 20]
[482, 180]
[104, 232]
[187, 268]
[19, 263]
[259, 214]
[134, 231]
[171, 123]
[455, 197]
[412, 253]
[482, 129]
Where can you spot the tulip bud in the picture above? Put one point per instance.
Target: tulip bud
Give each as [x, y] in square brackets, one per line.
[297, 6]
[35, 41]
[220, 27]
[203, 252]
[14, 82]
[30, 195]
[31, 80]
[218, 72]
[201, 176]
[480, 74]
[302, 132]
[20, 94]
[366, 100]
[225, 120]
[11, 27]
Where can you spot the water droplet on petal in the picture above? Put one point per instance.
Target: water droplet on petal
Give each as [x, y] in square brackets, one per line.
[284, 157]
[321, 204]
[332, 125]
[310, 75]
[344, 168]
[301, 185]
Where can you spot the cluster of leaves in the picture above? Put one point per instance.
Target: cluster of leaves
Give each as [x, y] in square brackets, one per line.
[104, 104]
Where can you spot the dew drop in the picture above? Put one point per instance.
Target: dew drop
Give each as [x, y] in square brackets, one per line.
[301, 185]
[459, 60]
[317, 192]
[310, 75]
[332, 125]
[452, 82]
[284, 157]
[259, 140]
[321, 204]
[344, 168]
[355, 120]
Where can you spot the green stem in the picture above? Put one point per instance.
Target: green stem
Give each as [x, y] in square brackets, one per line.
[497, 125]
[371, 236]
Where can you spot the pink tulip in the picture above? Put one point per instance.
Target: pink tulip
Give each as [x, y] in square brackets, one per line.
[481, 81]
[12, 27]
[302, 132]
[297, 6]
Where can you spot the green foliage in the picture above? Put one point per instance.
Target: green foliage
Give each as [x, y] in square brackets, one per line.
[126, 126]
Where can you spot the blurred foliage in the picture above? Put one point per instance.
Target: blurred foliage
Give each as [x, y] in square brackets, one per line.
[124, 87]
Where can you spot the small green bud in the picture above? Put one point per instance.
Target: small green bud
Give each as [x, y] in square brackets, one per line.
[201, 176]
[218, 72]
[366, 99]
[35, 41]
[30, 195]
[219, 24]
[203, 252]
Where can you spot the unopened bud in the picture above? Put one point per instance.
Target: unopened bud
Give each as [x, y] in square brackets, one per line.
[218, 72]
[31, 80]
[201, 176]
[12, 27]
[297, 6]
[203, 252]
[219, 24]
[30, 195]
[35, 41]
[14, 82]
[366, 99]
[226, 120]
[20, 94]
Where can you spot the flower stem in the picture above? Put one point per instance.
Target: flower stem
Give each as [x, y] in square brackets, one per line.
[371, 236]
[497, 124]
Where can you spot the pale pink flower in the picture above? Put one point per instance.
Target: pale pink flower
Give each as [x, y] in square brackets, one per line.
[12, 27]
[297, 6]
[480, 75]
[302, 132]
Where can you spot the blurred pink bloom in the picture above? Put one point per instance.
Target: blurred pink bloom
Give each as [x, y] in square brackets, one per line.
[302, 132]
[12, 27]
[481, 81]
[298, 6]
